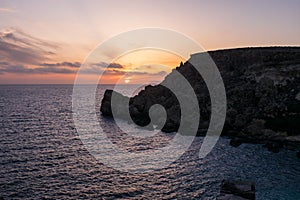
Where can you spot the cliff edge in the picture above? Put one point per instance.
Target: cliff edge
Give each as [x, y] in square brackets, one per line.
[263, 96]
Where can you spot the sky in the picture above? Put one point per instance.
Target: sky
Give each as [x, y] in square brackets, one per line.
[45, 42]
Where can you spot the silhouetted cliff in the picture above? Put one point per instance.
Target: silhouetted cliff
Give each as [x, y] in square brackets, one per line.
[263, 96]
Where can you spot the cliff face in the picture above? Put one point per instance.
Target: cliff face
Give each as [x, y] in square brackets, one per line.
[263, 94]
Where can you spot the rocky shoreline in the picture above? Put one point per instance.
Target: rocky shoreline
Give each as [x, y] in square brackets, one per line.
[263, 97]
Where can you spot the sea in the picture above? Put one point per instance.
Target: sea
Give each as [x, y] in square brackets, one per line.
[43, 157]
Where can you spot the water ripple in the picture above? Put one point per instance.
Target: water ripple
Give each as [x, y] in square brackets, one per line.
[41, 156]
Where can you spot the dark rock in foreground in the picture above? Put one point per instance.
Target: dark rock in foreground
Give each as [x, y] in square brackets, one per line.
[106, 109]
[139, 108]
[237, 190]
[263, 96]
[298, 154]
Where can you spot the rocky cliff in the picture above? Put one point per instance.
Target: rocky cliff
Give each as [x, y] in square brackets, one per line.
[263, 96]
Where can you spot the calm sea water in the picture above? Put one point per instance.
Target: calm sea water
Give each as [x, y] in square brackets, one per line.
[41, 156]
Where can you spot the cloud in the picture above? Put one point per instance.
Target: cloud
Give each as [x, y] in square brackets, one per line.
[103, 67]
[9, 10]
[21, 53]
[161, 73]
[107, 65]
[20, 36]
[60, 68]
[62, 64]
[116, 69]
[111, 52]
[21, 69]
[4, 64]
[133, 73]
[21, 48]
[45, 68]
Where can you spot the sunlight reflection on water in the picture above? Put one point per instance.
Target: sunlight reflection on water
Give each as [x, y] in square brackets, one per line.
[42, 156]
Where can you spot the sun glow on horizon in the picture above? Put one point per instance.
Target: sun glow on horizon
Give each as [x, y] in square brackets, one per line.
[40, 45]
[142, 66]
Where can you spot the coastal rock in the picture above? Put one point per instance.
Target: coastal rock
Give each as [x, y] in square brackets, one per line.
[235, 142]
[237, 189]
[106, 109]
[298, 96]
[274, 146]
[230, 197]
[262, 88]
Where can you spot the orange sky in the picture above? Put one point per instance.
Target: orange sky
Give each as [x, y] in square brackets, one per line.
[43, 42]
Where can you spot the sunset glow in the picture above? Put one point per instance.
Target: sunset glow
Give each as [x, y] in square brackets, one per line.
[47, 42]
[149, 99]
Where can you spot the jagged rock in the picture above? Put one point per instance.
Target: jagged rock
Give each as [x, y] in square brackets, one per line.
[240, 121]
[235, 142]
[106, 103]
[255, 127]
[237, 189]
[230, 197]
[288, 122]
[298, 96]
[274, 146]
[262, 88]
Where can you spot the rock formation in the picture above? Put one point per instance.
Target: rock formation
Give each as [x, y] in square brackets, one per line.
[237, 190]
[263, 96]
